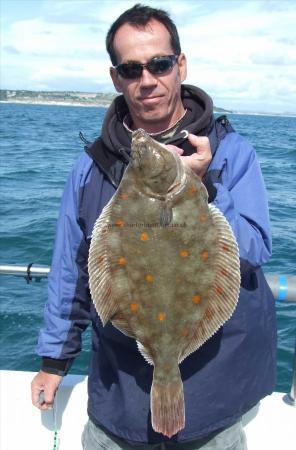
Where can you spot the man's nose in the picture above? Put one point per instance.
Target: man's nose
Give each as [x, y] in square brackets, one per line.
[147, 78]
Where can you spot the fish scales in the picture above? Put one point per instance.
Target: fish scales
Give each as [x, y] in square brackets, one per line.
[164, 268]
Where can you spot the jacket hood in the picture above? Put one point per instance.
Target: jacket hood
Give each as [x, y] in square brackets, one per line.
[198, 120]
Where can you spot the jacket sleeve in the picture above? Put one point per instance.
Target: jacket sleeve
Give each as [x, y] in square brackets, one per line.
[241, 197]
[67, 311]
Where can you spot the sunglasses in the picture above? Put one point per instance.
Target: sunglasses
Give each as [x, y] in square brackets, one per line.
[157, 66]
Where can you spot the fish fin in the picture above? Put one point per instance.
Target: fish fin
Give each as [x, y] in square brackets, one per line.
[224, 293]
[145, 353]
[167, 403]
[123, 326]
[166, 214]
[100, 282]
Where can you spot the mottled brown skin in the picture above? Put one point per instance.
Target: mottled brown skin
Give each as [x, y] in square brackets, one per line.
[173, 255]
[164, 283]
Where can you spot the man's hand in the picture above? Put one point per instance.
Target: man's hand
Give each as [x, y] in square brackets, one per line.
[48, 384]
[199, 161]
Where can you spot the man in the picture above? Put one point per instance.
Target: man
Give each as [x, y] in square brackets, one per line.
[236, 367]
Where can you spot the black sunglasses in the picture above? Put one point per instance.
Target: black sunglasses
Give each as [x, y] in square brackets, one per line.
[156, 66]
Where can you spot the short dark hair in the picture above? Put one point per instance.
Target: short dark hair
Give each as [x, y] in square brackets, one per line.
[140, 15]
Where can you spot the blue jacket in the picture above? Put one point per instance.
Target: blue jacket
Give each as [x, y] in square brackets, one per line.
[224, 378]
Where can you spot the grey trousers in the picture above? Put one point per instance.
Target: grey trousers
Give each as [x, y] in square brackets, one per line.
[232, 438]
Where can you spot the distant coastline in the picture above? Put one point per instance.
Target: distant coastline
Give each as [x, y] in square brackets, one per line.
[64, 98]
[56, 103]
[91, 99]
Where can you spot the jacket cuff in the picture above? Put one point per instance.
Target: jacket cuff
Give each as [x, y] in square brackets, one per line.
[56, 366]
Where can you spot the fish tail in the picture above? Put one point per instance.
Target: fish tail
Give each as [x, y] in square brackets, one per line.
[167, 403]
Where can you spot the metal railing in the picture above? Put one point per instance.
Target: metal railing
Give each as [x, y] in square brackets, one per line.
[29, 272]
[283, 288]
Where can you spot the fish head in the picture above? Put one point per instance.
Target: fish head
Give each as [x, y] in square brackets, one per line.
[155, 166]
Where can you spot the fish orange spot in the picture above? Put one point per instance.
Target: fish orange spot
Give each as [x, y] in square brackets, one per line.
[122, 261]
[203, 218]
[149, 278]
[123, 196]
[185, 332]
[161, 316]
[109, 292]
[196, 298]
[134, 307]
[219, 290]
[178, 279]
[191, 191]
[184, 253]
[225, 247]
[205, 255]
[119, 223]
[144, 237]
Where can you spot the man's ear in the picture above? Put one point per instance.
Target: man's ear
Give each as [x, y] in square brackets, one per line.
[115, 79]
[182, 63]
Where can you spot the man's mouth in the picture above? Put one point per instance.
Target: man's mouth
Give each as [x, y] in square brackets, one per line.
[151, 100]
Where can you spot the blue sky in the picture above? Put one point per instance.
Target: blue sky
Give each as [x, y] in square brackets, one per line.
[241, 52]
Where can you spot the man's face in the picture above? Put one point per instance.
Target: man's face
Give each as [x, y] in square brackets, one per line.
[154, 101]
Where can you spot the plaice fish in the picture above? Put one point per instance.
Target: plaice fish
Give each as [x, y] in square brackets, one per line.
[164, 268]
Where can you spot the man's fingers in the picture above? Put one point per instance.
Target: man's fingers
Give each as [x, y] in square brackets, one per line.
[45, 406]
[35, 395]
[202, 145]
[43, 396]
[198, 141]
[199, 161]
[173, 148]
[48, 395]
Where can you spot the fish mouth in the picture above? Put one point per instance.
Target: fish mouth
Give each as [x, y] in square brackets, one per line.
[139, 133]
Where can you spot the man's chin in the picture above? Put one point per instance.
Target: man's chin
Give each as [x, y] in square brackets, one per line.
[152, 124]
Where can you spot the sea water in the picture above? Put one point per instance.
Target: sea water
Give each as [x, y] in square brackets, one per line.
[39, 144]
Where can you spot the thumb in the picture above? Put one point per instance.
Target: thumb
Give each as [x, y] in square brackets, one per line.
[49, 392]
[198, 140]
[48, 395]
[202, 145]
